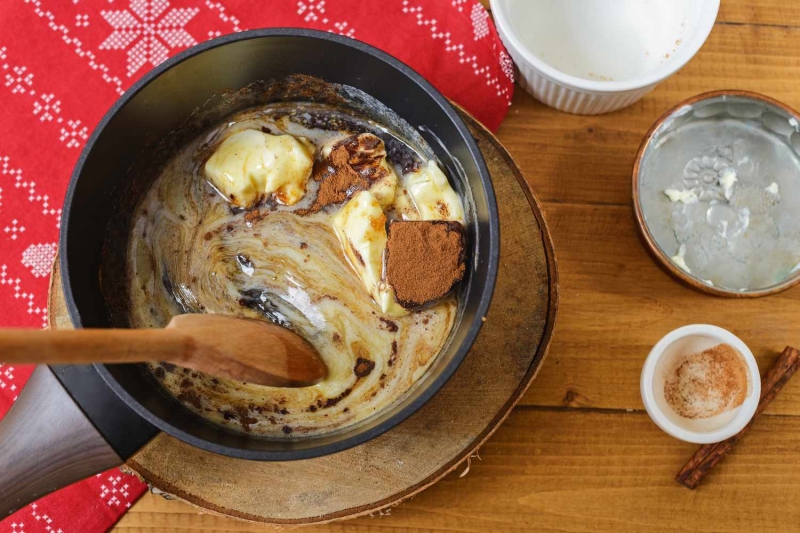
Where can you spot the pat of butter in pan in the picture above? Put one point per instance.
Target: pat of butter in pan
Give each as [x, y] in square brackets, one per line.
[384, 188]
[432, 194]
[251, 164]
[361, 228]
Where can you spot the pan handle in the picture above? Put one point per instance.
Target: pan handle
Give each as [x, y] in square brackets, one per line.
[46, 443]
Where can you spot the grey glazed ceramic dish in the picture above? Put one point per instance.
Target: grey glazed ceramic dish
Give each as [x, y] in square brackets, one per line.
[716, 186]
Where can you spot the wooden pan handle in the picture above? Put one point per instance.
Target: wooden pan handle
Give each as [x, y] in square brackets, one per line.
[93, 346]
[46, 443]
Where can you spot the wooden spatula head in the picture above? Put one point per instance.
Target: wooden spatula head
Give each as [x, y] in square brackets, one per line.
[250, 350]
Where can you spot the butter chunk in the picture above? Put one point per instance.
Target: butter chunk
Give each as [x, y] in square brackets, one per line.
[251, 164]
[361, 228]
[432, 194]
[384, 188]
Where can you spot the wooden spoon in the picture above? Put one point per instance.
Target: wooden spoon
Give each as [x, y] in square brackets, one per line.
[244, 349]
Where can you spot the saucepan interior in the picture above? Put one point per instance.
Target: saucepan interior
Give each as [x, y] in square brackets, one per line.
[201, 87]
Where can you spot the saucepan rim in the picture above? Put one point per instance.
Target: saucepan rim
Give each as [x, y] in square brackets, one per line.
[433, 385]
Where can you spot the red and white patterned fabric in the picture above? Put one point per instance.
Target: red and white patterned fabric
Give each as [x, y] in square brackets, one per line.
[64, 62]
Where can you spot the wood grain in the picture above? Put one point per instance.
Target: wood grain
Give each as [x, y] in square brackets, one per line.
[588, 159]
[618, 303]
[763, 12]
[577, 471]
[583, 462]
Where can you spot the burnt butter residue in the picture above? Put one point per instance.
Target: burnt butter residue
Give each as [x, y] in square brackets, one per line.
[259, 300]
[363, 367]
[321, 117]
[390, 325]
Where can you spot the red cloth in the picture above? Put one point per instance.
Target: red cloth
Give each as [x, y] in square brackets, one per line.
[64, 62]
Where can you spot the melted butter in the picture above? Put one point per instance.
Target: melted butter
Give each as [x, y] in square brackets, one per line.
[251, 164]
[190, 252]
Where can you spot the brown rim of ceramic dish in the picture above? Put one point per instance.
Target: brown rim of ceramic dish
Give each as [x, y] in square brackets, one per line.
[644, 231]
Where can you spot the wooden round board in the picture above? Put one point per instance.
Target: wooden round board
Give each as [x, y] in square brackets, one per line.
[444, 433]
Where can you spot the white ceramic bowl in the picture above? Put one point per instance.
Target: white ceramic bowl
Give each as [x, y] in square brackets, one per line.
[594, 56]
[692, 339]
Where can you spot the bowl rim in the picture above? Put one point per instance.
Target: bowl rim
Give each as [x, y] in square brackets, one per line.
[641, 222]
[747, 409]
[485, 293]
[708, 17]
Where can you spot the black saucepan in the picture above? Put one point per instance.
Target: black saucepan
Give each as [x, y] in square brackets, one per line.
[71, 422]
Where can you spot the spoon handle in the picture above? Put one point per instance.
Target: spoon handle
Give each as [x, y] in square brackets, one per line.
[93, 346]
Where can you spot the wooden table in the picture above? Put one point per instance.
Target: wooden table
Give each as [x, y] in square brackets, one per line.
[580, 454]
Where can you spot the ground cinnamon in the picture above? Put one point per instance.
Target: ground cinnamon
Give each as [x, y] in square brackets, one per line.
[708, 383]
[353, 165]
[708, 455]
[424, 259]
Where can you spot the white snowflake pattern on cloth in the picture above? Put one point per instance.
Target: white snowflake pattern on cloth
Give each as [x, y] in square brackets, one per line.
[114, 490]
[507, 64]
[150, 34]
[81, 21]
[7, 379]
[39, 259]
[46, 109]
[19, 80]
[17, 527]
[76, 45]
[16, 285]
[451, 46]
[14, 230]
[480, 21]
[44, 519]
[223, 16]
[30, 186]
[74, 133]
[459, 4]
[341, 29]
[314, 11]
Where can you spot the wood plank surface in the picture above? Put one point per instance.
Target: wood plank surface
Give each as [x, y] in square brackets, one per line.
[616, 303]
[581, 455]
[760, 12]
[588, 159]
[573, 470]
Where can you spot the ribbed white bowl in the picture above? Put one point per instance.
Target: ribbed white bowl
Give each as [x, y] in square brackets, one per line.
[581, 96]
[578, 102]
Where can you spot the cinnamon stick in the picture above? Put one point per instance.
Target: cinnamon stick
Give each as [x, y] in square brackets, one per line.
[708, 455]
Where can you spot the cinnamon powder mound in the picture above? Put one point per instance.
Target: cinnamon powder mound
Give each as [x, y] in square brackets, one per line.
[424, 259]
[707, 384]
[354, 165]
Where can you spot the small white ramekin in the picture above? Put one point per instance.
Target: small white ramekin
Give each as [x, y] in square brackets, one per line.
[707, 333]
[593, 97]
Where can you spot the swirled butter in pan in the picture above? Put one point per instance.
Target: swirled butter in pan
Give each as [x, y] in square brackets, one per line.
[234, 225]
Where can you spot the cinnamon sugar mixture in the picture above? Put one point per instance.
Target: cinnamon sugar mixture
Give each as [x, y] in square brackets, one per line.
[354, 165]
[707, 384]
